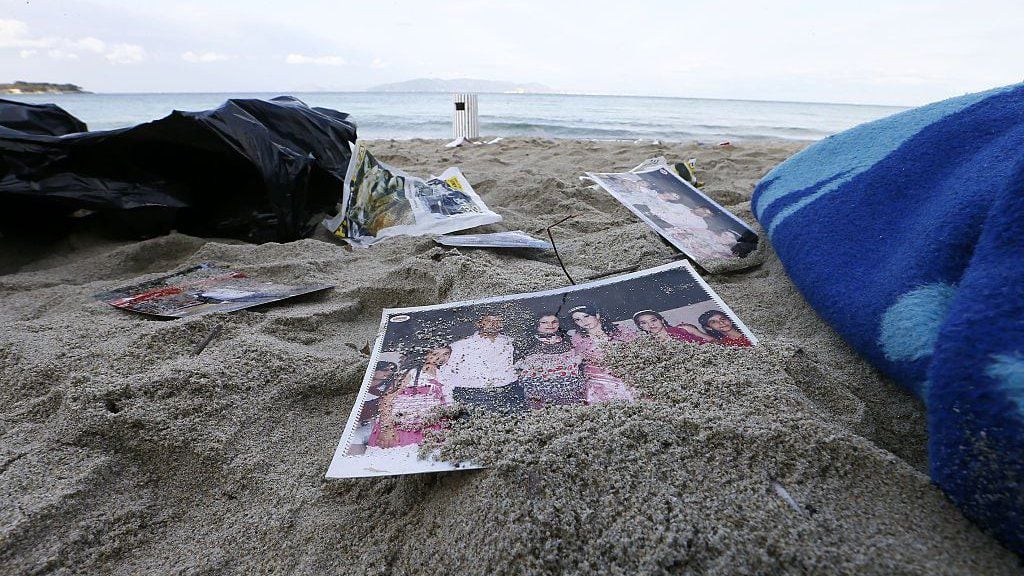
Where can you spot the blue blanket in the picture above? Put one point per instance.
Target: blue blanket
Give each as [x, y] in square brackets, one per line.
[907, 235]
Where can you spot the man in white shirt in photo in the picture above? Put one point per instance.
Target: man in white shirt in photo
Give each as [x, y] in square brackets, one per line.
[479, 372]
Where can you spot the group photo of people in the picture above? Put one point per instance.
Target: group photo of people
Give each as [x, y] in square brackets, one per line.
[527, 353]
[684, 216]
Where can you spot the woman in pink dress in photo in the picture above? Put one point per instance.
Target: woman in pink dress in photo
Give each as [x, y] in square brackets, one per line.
[417, 396]
[654, 324]
[593, 335]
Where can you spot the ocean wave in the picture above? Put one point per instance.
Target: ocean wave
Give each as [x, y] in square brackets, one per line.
[442, 129]
[551, 116]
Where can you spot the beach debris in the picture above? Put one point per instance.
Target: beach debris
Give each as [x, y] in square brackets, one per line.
[683, 215]
[508, 355]
[39, 119]
[687, 171]
[781, 491]
[512, 239]
[554, 246]
[209, 338]
[254, 170]
[462, 140]
[379, 201]
[201, 289]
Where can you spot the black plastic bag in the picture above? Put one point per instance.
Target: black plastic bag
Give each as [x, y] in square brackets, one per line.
[255, 170]
[44, 119]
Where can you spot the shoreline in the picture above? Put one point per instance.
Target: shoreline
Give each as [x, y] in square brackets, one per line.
[428, 115]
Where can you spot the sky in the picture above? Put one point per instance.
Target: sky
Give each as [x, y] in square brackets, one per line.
[871, 52]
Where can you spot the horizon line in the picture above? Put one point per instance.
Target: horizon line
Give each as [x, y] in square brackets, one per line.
[366, 91]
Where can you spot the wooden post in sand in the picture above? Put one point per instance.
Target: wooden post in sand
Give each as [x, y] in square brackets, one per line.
[464, 117]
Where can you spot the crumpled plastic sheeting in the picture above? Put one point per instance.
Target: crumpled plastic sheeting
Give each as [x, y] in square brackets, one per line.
[44, 119]
[255, 170]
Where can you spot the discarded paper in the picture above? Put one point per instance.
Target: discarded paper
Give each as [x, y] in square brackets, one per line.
[379, 201]
[201, 289]
[689, 220]
[516, 353]
[513, 239]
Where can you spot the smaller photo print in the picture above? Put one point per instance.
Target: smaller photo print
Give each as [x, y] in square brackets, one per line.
[683, 215]
[201, 289]
[514, 354]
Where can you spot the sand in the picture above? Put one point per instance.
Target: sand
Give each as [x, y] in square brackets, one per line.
[122, 453]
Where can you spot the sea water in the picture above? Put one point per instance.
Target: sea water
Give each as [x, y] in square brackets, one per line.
[384, 115]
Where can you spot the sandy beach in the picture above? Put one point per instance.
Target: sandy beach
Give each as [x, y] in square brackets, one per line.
[122, 453]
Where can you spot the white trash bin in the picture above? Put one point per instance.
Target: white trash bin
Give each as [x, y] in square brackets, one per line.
[464, 117]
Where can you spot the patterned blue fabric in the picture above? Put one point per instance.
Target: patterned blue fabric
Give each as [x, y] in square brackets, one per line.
[907, 235]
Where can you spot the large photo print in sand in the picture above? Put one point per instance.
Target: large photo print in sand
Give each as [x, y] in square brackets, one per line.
[689, 220]
[516, 353]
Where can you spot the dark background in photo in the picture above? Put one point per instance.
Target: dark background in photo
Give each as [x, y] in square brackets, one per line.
[617, 301]
[719, 221]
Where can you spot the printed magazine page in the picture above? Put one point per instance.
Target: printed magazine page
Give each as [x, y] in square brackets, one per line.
[516, 353]
[379, 201]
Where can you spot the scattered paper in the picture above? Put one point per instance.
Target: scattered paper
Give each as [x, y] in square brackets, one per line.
[379, 201]
[685, 170]
[683, 215]
[513, 239]
[516, 353]
[201, 289]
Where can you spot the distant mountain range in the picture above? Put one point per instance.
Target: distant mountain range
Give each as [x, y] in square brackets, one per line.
[460, 85]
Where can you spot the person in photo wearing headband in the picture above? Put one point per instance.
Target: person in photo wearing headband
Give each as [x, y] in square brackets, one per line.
[593, 334]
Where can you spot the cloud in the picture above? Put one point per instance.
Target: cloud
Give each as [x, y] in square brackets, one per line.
[205, 57]
[378, 64]
[89, 44]
[126, 54]
[58, 54]
[15, 34]
[319, 60]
